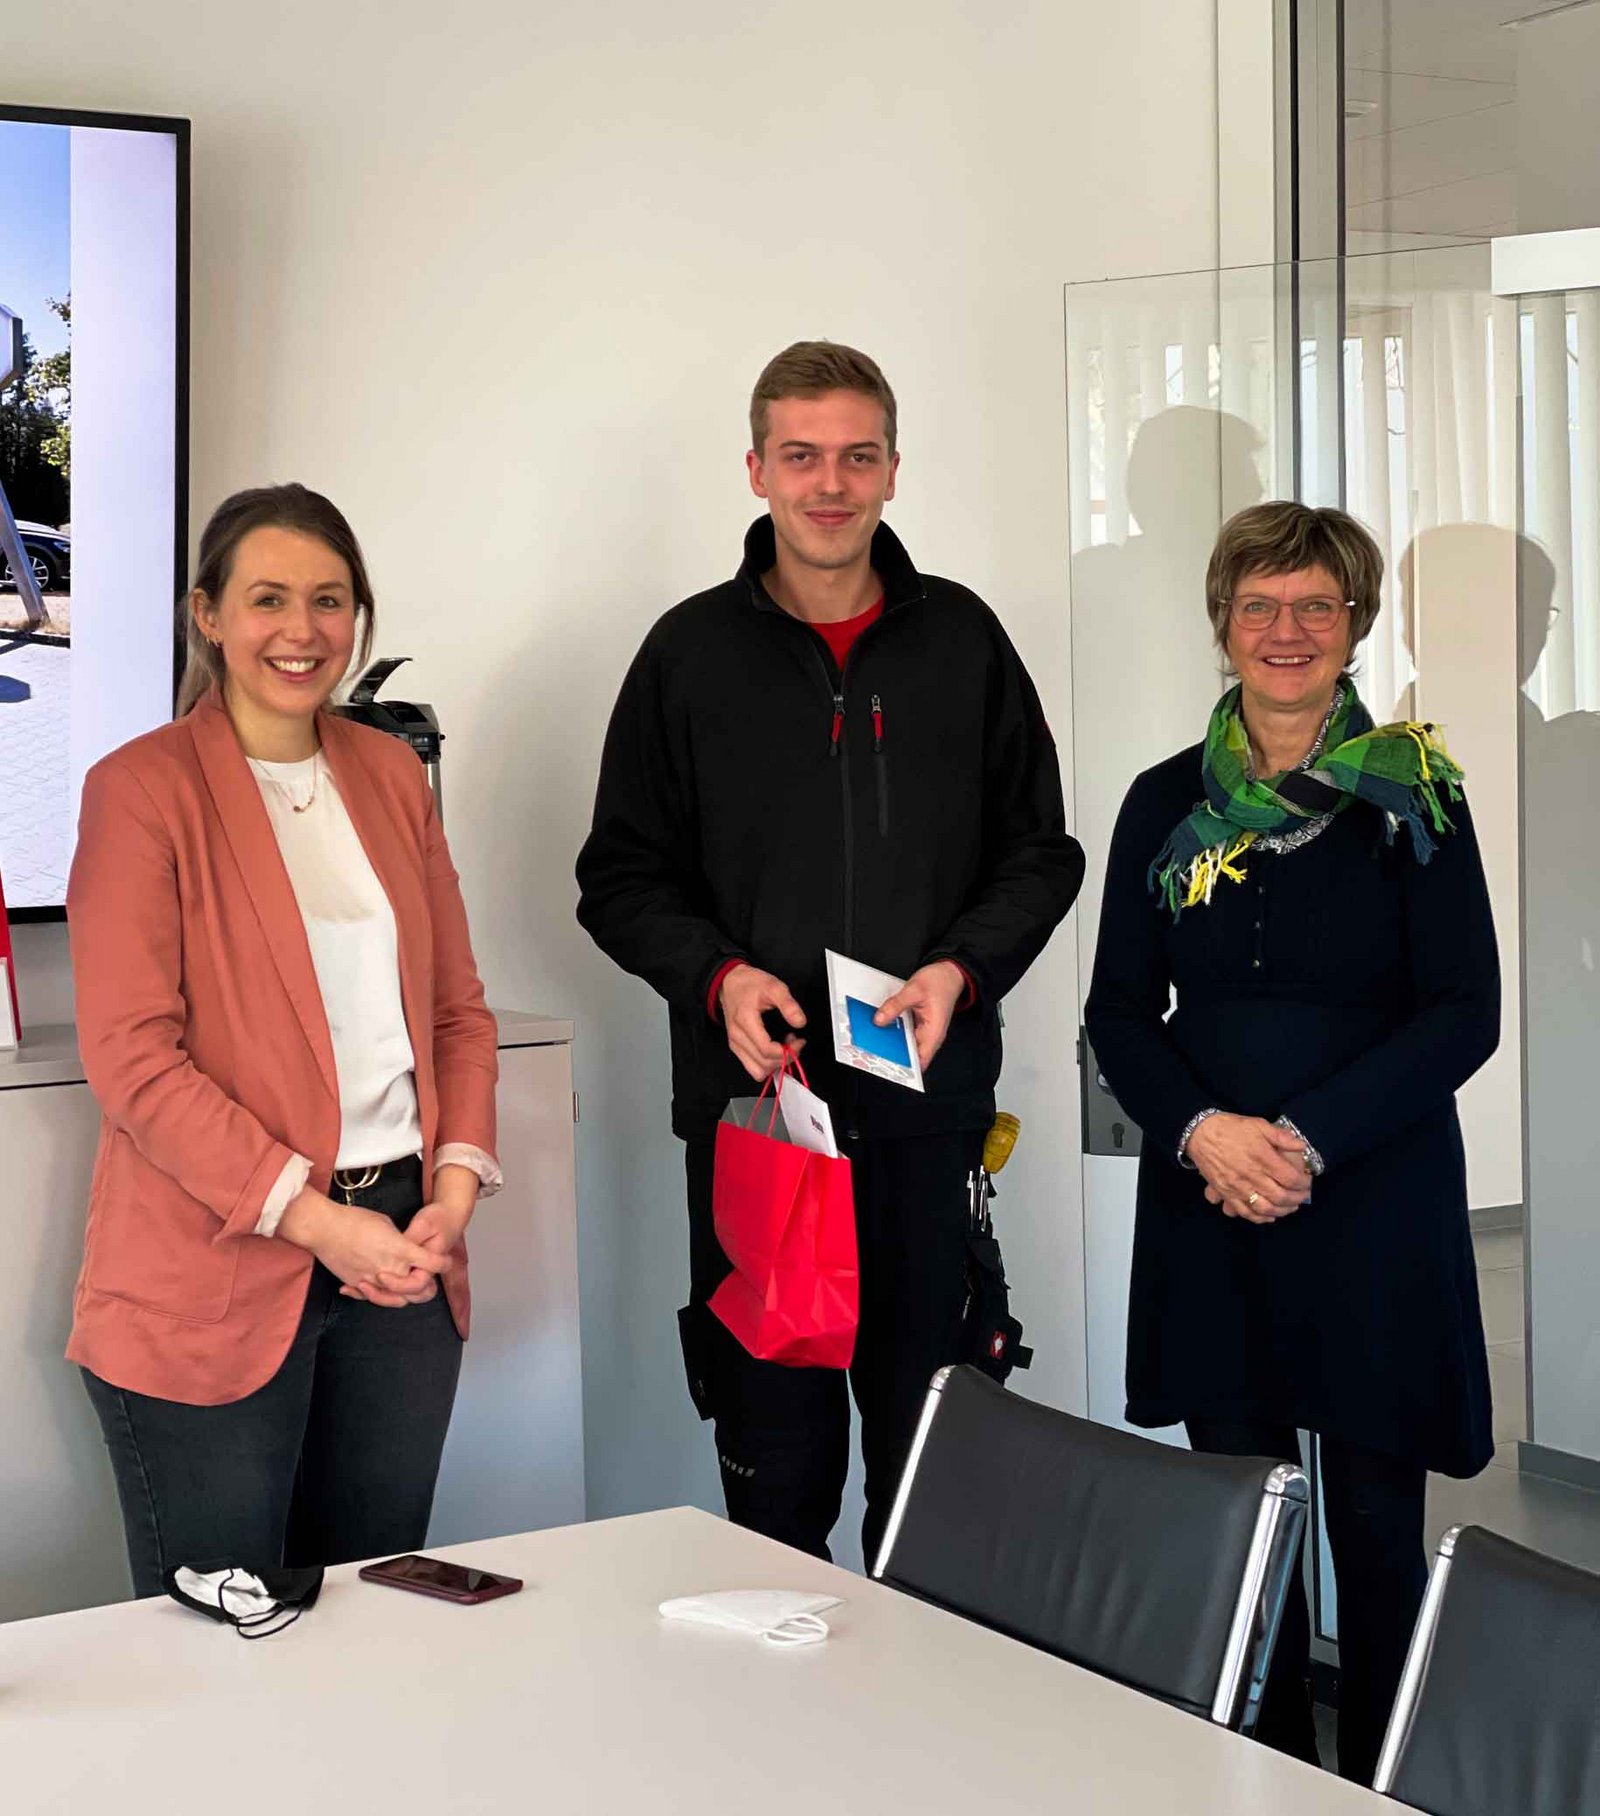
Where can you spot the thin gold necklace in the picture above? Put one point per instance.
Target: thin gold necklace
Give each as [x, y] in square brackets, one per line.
[283, 788]
[316, 776]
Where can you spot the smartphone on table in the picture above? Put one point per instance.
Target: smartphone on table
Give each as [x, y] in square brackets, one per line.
[433, 1576]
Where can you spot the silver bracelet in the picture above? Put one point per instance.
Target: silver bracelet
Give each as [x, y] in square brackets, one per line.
[1189, 1128]
[1314, 1161]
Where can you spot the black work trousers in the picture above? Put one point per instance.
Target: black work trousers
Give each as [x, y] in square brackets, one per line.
[1374, 1509]
[335, 1458]
[783, 1434]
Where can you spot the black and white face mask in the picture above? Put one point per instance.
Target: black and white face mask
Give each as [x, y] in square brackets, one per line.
[256, 1604]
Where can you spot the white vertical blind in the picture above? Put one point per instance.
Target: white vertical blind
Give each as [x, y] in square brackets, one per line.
[1114, 376]
[1080, 488]
[1547, 489]
[1150, 351]
[1500, 429]
[1585, 409]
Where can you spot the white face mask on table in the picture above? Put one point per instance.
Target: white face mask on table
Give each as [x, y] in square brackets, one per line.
[782, 1617]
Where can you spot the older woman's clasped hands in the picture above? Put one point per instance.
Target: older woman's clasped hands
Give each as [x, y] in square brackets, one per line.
[1252, 1168]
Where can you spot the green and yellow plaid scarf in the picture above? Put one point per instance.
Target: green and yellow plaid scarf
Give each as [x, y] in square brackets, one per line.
[1402, 769]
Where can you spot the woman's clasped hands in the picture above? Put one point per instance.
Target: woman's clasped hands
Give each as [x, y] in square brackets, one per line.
[366, 1252]
[1252, 1168]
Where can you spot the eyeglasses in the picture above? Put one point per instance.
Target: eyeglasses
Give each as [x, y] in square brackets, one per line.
[1251, 612]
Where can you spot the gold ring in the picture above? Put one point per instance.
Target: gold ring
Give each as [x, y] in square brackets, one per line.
[1253, 1199]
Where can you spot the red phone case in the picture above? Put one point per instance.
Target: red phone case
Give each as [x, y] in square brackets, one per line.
[490, 1591]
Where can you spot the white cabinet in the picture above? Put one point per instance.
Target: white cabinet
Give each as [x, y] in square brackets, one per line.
[514, 1459]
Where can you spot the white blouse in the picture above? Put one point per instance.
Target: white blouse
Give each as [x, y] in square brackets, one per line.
[355, 952]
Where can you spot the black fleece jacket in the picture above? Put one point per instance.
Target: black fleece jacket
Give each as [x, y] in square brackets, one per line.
[756, 803]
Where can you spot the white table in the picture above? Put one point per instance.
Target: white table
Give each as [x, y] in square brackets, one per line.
[574, 1696]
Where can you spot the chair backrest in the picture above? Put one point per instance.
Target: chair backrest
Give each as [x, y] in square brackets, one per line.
[1149, 1564]
[1499, 1705]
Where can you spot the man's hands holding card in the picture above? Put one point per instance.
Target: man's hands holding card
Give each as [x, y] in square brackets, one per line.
[931, 995]
[746, 995]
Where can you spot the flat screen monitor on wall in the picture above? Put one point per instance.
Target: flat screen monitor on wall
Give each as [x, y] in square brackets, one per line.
[94, 308]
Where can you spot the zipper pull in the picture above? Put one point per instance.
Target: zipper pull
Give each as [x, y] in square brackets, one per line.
[877, 724]
[838, 725]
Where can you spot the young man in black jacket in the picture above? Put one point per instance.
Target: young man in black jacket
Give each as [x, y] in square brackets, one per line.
[830, 750]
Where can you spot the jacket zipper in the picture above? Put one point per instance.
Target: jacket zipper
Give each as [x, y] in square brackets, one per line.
[880, 764]
[839, 751]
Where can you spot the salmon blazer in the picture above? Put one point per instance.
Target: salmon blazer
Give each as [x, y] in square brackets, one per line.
[204, 1039]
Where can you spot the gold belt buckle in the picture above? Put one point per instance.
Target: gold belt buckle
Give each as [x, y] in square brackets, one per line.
[350, 1182]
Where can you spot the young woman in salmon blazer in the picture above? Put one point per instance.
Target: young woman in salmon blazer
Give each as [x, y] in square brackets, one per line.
[282, 1022]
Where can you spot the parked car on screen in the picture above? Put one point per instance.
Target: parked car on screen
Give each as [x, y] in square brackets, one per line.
[50, 552]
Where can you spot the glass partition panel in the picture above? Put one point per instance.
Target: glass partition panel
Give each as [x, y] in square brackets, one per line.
[1387, 384]
[1178, 415]
[1560, 727]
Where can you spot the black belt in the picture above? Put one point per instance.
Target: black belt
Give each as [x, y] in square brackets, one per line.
[350, 1180]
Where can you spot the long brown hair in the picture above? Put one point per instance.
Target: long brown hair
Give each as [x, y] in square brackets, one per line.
[287, 507]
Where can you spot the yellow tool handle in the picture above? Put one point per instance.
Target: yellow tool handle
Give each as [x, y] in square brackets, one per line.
[999, 1142]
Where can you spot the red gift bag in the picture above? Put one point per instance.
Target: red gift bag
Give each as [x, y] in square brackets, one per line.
[786, 1219]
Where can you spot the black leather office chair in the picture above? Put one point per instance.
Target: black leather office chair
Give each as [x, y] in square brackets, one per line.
[1498, 1712]
[1152, 1565]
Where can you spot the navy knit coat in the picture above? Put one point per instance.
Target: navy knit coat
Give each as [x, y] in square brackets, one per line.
[1353, 989]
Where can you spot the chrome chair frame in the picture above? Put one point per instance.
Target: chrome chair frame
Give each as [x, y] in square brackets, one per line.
[1263, 1586]
[1269, 1569]
[1416, 1666]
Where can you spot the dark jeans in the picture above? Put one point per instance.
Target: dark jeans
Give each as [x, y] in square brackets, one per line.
[783, 1434]
[1374, 1508]
[335, 1458]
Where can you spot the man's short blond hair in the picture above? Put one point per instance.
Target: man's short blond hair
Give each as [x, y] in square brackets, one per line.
[810, 369]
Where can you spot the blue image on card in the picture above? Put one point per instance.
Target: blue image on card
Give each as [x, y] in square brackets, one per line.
[881, 1043]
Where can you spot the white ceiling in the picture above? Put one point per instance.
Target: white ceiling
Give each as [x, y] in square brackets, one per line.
[1463, 40]
[1431, 116]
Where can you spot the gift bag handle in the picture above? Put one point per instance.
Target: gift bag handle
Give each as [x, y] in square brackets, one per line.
[774, 1083]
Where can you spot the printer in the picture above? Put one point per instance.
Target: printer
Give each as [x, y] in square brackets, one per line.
[417, 724]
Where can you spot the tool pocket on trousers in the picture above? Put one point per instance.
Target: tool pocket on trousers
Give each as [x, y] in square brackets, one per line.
[694, 1335]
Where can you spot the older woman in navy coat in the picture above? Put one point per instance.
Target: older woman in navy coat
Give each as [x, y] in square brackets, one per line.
[1309, 887]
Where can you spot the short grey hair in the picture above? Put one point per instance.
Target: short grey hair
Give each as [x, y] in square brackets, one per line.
[1282, 537]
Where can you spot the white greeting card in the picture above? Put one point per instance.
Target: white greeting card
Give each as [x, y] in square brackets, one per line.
[855, 994]
[807, 1118]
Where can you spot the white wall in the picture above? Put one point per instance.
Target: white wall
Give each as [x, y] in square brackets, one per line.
[498, 278]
